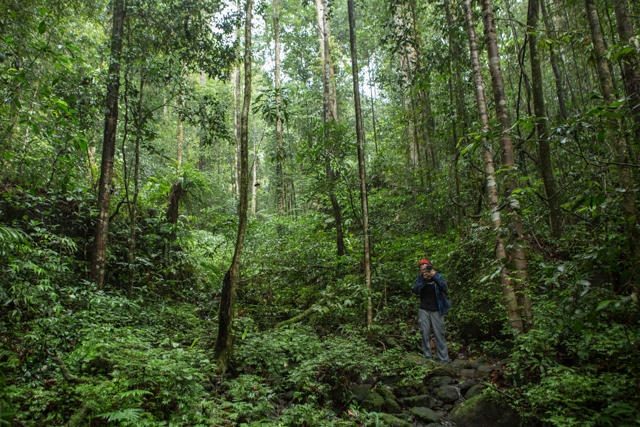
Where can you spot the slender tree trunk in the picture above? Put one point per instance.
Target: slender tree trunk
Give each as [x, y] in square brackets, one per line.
[279, 152]
[544, 150]
[134, 202]
[202, 161]
[361, 160]
[373, 113]
[98, 259]
[180, 141]
[514, 225]
[236, 127]
[461, 112]
[631, 63]
[254, 187]
[555, 61]
[617, 140]
[226, 314]
[330, 118]
[511, 300]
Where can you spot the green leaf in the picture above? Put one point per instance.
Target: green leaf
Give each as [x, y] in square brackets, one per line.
[603, 305]
[42, 28]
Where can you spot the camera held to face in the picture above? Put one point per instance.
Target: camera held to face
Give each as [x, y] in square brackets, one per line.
[428, 267]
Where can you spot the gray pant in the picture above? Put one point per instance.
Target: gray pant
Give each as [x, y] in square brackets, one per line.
[427, 320]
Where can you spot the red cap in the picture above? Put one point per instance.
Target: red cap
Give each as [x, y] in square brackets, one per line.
[423, 261]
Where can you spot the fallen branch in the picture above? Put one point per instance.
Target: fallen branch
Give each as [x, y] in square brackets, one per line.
[65, 372]
[296, 319]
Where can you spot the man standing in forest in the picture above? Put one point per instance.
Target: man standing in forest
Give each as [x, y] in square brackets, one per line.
[431, 287]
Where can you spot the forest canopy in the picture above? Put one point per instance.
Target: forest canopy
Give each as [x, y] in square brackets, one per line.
[213, 212]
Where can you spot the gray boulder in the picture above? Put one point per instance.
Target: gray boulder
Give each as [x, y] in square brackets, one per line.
[392, 421]
[440, 370]
[448, 394]
[440, 381]
[485, 411]
[459, 364]
[423, 400]
[425, 414]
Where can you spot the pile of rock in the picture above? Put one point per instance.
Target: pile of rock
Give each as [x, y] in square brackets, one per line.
[451, 396]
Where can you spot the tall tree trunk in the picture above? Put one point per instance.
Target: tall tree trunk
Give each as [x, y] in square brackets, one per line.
[180, 141]
[555, 60]
[226, 314]
[544, 151]
[517, 255]
[461, 113]
[254, 187]
[279, 151]
[330, 112]
[617, 140]
[631, 63]
[202, 161]
[511, 301]
[236, 126]
[373, 112]
[361, 160]
[136, 181]
[98, 258]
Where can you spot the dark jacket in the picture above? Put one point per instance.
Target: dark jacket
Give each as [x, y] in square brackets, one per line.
[441, 289]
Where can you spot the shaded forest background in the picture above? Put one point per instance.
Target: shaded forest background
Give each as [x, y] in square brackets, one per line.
[144, 143]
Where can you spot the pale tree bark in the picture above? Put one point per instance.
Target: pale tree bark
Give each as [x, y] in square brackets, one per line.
[136, 182]
[402, 27]
[517, 255]
[330, 112]
[254, 187]
[511, 300]
[180, 141]
[631, 62]
[226, 313]
[202, 161]
[98, 258]
[278, 140]
[361, 160]
[236, 126]
[461, 113]
[544, 150]
[617, 140]
[555, 61]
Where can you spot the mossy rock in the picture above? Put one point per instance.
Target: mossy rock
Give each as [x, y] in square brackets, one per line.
[423, 400]
[416, 358]
[448, 394]
[466, 385]
[459, 364]
[440, 370]
[393, 421]
[390, 403]
[474, 391]
[440, 381]
[425, 414]
[359, 392]
[485, 411]
[374, 402]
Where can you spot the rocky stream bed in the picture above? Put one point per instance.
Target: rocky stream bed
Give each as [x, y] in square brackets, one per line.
[452, 396]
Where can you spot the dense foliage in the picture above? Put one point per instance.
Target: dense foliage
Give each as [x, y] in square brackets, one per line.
[139, 349]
